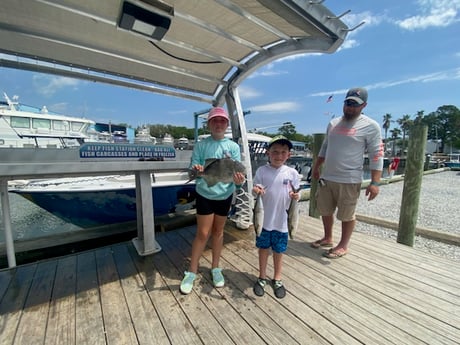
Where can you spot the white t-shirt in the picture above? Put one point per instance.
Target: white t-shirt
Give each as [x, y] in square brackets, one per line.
[276, 200]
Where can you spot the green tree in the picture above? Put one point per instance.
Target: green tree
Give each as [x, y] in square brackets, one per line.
[444, 125]
[395, 133]
[288, 130]
[404, 123]
[386, 125]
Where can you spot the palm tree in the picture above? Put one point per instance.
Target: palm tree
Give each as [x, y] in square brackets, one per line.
[386, 126]
[419, 116]
[395, 132]
[405, 123]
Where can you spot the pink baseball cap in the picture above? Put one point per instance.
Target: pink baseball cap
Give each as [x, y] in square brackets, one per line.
[217, 112]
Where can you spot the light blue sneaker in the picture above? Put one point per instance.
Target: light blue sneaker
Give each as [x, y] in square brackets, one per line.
[217, 277]
[186, 285]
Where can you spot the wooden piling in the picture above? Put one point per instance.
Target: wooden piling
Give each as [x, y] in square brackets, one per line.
[318, 139]
[412, 185]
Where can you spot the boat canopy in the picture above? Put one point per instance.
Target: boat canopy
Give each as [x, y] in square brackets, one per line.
[190, 49]
[200, 50]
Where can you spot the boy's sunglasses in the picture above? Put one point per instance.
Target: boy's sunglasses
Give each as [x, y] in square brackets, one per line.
[350, 103]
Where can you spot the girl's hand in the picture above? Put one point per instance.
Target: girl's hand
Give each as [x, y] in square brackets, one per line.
[239, 178]
[198, 167]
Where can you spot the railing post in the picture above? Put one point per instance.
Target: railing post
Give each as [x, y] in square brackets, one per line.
[145, 242]
[6, 218]
[412, 185]
[318, 139]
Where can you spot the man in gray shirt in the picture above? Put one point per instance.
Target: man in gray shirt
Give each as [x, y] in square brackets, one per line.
[347, 140]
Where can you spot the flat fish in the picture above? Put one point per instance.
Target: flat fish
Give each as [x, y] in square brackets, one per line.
[293, 214]
[258, 215]
[218, 170]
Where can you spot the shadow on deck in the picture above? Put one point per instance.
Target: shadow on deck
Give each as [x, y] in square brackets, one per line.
[380, 293]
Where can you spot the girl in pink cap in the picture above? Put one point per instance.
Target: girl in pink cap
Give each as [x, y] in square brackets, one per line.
[212, 202]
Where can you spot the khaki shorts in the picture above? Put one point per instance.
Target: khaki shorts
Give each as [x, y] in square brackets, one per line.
[340, 196]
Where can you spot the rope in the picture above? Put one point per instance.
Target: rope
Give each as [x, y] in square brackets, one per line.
[242, 215]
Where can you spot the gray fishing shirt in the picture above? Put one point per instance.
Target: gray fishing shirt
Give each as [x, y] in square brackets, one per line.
[345, 146]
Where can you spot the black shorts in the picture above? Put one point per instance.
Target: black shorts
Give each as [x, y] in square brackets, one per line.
[206, 206]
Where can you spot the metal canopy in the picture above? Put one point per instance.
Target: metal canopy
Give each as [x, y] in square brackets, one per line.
[209, 48]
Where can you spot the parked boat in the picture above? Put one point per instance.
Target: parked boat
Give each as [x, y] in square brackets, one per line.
[453, 162]
[25, 126]
[167, 140]
[182, 143]
[143, 136]
[102, 200]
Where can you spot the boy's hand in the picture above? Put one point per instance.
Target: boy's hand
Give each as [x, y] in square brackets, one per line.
[258, 189]
[295, 196]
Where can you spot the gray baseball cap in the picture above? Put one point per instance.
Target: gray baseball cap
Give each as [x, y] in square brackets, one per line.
[357, 94]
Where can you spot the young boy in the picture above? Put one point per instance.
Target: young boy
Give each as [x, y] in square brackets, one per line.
[274, 181]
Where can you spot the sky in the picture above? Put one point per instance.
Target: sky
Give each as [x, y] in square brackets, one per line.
[407, 54]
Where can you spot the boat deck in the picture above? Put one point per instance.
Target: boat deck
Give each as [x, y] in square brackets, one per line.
[380, 293]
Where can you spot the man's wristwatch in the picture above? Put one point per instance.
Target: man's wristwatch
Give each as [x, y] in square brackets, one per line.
[374, 183]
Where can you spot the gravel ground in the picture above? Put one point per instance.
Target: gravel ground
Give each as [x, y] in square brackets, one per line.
[438, 210]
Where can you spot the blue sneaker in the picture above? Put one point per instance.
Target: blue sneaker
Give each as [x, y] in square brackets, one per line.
[217, 277]
[186, 285]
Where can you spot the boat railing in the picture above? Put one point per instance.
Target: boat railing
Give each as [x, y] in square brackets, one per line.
[23, 164]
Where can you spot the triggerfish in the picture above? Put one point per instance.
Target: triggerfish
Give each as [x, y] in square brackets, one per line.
[218, 170]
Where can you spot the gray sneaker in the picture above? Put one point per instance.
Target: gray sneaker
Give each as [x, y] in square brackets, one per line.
[259, 287]
[278, 288]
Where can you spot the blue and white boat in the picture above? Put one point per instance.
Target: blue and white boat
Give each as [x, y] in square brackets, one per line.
[453, 162]
[101, 200]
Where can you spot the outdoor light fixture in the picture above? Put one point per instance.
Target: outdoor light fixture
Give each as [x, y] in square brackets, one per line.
[145, 22]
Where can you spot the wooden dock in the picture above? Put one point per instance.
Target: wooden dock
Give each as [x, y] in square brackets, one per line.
[380, 293]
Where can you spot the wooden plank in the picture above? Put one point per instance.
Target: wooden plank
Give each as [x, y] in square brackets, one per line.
[366, 280]
[353, 322]
[219, 301]
[302, 248]
[431, 280]
[265, 316]
[61, 320]
[204, 322]
[5, 279]
[175, 322]
[88, 312]
[143, 314]
[32, 326]
[380, 311]
[117, 320]
[418, 269]
[13, 301]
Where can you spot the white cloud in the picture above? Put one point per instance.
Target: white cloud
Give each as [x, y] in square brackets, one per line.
[453, 74]
[277, 107]
[437, 13]
[248, 92]
[268, 71]
[48, 85]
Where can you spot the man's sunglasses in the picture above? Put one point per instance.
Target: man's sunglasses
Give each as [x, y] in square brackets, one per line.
[350, 103]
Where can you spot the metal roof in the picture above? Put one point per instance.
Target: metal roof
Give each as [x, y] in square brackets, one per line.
[209, 47]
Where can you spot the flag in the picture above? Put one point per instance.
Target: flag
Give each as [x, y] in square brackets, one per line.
[329, 99]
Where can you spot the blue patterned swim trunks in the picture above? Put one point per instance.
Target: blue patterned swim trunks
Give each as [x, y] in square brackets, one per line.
[276, 240]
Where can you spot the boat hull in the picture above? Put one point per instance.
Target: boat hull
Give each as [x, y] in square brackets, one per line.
[95, 208]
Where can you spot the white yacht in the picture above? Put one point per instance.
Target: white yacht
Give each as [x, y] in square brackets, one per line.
[25, 126]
